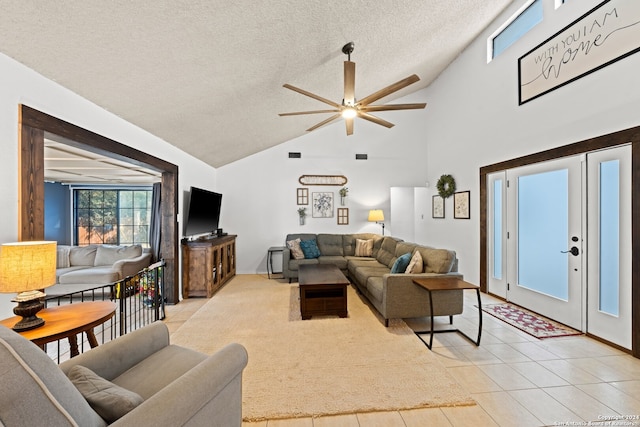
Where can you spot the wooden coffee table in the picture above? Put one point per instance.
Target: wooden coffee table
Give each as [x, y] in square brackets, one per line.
[66, 321]
[323, 290]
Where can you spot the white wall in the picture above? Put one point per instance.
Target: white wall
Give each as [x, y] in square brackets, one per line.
[21, 85]
[475, 119]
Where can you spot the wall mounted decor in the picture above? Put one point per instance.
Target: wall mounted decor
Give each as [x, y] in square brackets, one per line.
[302, 214]
[602, 36]
[302, 196]
[322, 180]
[446, 186]
[322, 205]
[343, 216]
[437, 207]
[461, 208]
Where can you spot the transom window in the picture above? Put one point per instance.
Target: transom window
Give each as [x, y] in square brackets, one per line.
[112, 216]
[518, 25]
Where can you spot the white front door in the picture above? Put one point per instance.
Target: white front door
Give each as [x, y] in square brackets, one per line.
[609, 245]
[544, 245]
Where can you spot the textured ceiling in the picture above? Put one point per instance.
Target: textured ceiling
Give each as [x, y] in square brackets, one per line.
[207, 75]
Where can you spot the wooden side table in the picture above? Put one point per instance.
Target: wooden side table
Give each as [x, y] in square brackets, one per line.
[435, 284]
[270, 253]
[66, 321]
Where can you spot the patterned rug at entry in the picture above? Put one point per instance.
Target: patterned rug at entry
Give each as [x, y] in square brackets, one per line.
[529, 322]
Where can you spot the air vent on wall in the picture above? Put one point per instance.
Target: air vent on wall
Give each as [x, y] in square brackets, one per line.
[295, 155]
[361, 157]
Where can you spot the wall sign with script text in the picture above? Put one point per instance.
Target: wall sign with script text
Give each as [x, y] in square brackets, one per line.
[605, 34]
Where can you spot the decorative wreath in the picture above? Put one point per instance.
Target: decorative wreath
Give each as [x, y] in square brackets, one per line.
[446, 186]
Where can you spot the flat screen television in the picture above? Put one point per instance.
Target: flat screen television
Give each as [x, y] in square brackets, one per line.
[203, 214]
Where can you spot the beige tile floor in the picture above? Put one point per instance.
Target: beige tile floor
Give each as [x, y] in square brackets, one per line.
[517, 380]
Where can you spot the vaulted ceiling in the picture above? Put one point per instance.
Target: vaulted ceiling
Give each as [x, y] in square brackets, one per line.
[206, 75]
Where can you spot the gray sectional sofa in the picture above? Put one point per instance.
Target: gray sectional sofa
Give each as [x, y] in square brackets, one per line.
[99, 264]
[394, 295]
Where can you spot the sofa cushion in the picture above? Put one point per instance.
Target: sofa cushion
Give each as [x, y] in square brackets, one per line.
[437, 260]
[330, 244]
[62, 256]
[82, 255]
[295, 264]
[338, 261]
[109, 254]
[90, 275]
[296, 251]
[415, 265]
[364, 247]
[404, 247]
[107, 399]
[310, 249]
[400, 265]
[375, 287]
[349, 242]
[363, 273]
[172, 361]
[35, 389]
[386, 253]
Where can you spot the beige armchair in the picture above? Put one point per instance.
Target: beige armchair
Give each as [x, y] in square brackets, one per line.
[176, 385]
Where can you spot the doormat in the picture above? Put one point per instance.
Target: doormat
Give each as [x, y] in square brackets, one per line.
[529, 322]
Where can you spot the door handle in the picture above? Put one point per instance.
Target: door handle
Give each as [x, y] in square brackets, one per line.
[574, 251]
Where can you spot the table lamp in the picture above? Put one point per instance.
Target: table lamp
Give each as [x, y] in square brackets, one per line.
[377, 216]
[25, 268]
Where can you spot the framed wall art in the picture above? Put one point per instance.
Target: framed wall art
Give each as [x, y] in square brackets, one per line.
[302, 196]
[343, 216]
[322, 205]
[437, 207]
[602, 36]
[461, 208]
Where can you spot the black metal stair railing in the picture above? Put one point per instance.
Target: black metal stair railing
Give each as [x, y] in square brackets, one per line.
[139, 298]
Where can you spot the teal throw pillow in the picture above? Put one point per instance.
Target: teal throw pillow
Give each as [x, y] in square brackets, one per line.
[310, 249]
[400, 266]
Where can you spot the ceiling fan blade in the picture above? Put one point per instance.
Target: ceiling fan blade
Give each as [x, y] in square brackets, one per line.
[390, 107]
[349, 123]
[349, 82]
[389, 90]
[375, 119]
[298, 113]
[311, 95]
[324, 122]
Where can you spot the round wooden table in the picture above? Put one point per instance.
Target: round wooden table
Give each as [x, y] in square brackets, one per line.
[67, 321]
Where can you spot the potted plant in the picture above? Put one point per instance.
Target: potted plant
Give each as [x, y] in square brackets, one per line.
[344, 191]
[302, 213]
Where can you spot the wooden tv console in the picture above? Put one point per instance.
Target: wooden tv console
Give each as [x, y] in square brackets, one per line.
[207, 264]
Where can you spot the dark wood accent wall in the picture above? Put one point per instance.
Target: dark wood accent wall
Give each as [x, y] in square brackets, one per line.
[33, 124]
[626, 136]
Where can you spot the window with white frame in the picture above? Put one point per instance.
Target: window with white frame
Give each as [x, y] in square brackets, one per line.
[514, 28]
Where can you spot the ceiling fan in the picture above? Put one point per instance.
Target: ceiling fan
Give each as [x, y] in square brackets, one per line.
[350, 107]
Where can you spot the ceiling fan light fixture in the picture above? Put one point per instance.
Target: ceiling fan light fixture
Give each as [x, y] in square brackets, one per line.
[349, 112]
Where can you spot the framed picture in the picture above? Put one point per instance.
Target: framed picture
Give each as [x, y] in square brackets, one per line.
[322, 205]
[302, 196]
[461, 205]
[602, 36]
[437, 207]
[343, 216]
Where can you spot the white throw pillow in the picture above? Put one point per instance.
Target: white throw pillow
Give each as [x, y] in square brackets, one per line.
[296, 250]
[415, 265]
[364, 247]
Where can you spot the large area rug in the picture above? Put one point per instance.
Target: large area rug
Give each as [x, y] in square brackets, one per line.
[529, 322]
[321, 366]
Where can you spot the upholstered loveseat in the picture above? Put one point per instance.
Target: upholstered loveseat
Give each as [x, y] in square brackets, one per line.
[171, 385]
[377, 273]
[99, 264]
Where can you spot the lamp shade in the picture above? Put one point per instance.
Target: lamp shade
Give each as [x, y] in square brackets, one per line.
[27, 266]
[376, 215]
